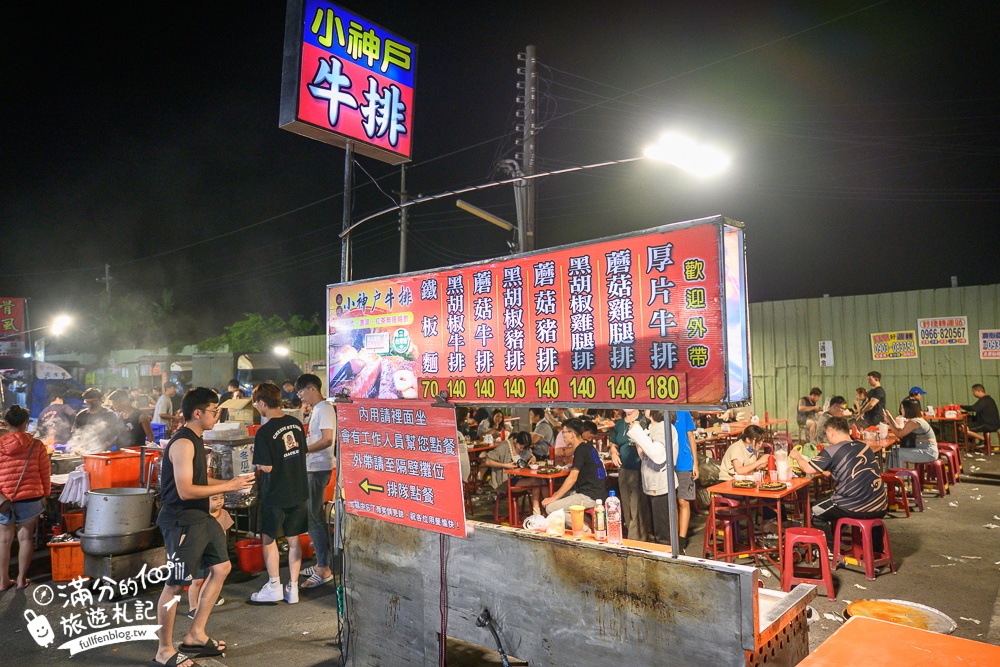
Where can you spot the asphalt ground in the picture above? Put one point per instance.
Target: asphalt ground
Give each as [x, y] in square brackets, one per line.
[947, 557]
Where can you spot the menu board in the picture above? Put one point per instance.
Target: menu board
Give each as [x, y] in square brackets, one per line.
[400, 464]
[652, 317]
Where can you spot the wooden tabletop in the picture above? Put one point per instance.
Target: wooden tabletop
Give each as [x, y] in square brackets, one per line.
[791, 487]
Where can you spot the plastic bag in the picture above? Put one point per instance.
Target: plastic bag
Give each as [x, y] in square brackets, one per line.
[536, 522]
[557, 523]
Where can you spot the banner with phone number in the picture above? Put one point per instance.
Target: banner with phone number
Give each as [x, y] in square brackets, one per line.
[894, 345]
[638, 318]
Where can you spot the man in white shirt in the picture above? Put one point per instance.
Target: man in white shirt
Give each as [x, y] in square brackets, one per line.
[164, 413]
[319, 468]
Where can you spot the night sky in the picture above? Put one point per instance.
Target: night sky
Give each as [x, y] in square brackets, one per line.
[864, 138]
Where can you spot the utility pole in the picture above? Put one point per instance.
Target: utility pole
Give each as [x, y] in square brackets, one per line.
[404, 218]
[106, 279]
[345, 244]
[529, 144]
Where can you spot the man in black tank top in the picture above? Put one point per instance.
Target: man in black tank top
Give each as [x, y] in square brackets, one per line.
[194, 539]
[136, 427]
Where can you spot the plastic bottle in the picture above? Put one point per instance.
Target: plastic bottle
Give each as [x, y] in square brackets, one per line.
[614, 512]
[600, 522]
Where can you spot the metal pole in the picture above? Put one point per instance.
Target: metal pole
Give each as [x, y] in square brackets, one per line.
[404, 218]
[671, 489]
[345, 245]
[530, 146]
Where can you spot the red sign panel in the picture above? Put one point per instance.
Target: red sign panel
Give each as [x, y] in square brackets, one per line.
[11, 327]
[400, 464]
[640, 318]
[347, 79]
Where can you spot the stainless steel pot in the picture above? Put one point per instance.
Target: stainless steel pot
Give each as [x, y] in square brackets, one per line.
[118, 511]
[117, 545]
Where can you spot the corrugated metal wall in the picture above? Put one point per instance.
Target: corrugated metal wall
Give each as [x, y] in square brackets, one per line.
[309, 348]
[785, 335]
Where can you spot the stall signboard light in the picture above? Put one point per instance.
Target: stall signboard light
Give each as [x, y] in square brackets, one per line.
[399, 462]
[11, 327]
[346, 79]
[647, 318]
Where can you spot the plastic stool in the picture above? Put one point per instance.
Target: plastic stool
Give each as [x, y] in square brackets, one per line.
[916, 491]
[810, 536]
[950, 459]
[862, 545]
[954, 456]
[892, 480]
[933, 472]
[727, 519]
[519, 496]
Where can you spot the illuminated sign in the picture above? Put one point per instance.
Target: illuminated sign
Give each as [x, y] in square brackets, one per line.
[345, 78]
[646, 318]
[400, 464]
[11, 327]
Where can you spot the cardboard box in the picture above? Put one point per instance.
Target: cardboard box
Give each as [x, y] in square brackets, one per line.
[240, 410]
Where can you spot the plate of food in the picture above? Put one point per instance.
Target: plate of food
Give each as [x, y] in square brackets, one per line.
[773, 486]
[549, 470]
[744, 484]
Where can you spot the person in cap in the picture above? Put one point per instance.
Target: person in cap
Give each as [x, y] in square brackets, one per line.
[916, 394]
[95, 428]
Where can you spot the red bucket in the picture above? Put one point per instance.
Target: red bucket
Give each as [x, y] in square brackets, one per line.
[307, 546]
[250, 555]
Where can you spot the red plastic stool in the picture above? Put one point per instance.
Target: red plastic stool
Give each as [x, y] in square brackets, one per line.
[519, 496]
[916, 492]
[727, 520]
[951, 460]
[789, 576]
[933, 472]
[862, 546]
[954, 455]
[891, 481]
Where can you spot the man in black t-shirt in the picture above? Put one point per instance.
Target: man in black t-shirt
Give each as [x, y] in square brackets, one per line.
[56, 421]
[279, 452]
[193, 538]
[95, 428]
[986, 418]
[587, 480]
[858, 489]
[872, 410]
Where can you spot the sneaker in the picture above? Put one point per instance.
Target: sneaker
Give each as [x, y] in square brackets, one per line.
[267, 593]
[291, 593]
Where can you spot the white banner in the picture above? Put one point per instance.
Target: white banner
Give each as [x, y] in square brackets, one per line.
[110, 636]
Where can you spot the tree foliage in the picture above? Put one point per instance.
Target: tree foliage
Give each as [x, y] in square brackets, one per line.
[257, 333]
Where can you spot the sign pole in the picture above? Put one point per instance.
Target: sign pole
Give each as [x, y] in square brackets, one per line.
[671, 489]
[345, 244]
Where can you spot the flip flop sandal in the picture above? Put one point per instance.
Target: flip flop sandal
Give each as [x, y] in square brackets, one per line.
[209, 649]
[315, 581]
[27, 583]
[308, 572]
[176, 659]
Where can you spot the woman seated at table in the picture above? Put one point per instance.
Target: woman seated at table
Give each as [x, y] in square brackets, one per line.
[510, 455]
[493, 426]
[743, 456]
[587, 480]
[917, 443]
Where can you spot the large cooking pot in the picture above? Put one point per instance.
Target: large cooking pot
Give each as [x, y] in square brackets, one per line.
[118, 511]
[117, 545]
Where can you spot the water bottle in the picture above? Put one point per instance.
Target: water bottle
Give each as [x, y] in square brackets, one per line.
[614, 518]
[600, 522]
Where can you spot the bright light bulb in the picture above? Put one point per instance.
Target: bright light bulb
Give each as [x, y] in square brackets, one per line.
[685, 153]
[281, 350]
[60, 324]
